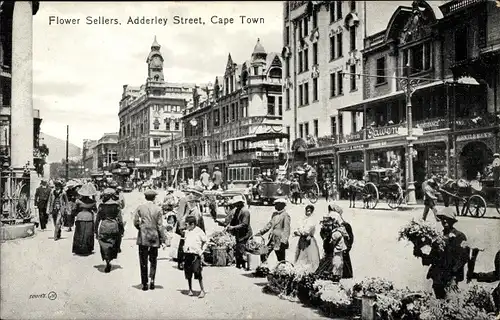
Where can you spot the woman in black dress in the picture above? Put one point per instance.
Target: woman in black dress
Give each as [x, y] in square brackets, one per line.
[109, 227]
[83, 238]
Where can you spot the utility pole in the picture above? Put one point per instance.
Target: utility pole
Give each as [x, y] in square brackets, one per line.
[67, 152]
[410, 184]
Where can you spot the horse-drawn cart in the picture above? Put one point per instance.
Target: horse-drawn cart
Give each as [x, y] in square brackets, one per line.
[381, 184]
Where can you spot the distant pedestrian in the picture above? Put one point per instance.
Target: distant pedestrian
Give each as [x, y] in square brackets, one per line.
[149, 222]
[430, 198]
[217, 178]
[295, 190]
[41, 199]
[194, 246]
[205, 178]
[57, 207]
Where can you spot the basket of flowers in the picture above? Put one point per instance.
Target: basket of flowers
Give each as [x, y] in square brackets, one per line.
[221, 244]
[423, 236]
[335, 299]
[256, 245]
[280, 278]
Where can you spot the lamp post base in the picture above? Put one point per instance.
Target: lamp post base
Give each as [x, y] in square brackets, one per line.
[412, 199]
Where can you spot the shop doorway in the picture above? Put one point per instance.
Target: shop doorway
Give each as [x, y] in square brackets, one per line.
[474, 158]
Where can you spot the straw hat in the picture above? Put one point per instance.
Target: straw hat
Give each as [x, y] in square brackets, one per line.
[87, 190]
[150, 193]
[236, 199]
[108, 191]
[280, 201]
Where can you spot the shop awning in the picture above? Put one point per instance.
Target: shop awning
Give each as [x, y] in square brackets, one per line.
[240, 138]
[359, 107]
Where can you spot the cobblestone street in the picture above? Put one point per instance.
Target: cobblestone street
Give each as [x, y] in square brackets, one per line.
[38, 265]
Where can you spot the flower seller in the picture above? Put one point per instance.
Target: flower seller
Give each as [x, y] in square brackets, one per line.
[240, 228]
[448, 259]
[489, 277]
[280, 231]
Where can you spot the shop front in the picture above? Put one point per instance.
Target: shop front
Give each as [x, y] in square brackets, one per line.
[473, 153]
[323, 161]
[351, 161]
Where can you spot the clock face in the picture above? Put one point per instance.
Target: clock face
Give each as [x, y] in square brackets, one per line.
[156, 63]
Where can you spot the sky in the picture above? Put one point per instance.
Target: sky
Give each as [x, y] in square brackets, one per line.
[79, 70]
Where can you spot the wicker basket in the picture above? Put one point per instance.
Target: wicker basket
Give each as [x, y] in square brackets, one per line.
[279, 284]
[263, 249]
[220, 256]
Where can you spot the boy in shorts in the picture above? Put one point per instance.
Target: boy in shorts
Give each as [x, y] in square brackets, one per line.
[194, 245]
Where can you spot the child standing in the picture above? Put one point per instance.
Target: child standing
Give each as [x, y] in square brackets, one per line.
[194, 246]
[295, 190]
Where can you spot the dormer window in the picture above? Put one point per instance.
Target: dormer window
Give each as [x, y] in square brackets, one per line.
[256, 71]
[156, 77]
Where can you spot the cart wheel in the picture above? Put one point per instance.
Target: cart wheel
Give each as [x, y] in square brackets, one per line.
[395, 198]
[370, 195]
[476, 206]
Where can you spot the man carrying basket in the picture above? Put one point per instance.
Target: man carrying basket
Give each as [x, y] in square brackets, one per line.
[240, 228]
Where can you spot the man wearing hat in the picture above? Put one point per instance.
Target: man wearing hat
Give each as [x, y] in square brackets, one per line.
[57, 205]
[42, 194]
[217, 178]
[429, 188]
[240, 228]
[188, 205]
[205, 178]
[170, 199]
[447, 264]
[279, 225]
[148, 220]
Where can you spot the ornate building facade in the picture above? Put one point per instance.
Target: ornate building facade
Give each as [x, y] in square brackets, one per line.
[150, 113]
[237, 125]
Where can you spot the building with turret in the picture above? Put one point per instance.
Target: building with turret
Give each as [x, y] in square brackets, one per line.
[149, 113]
[237, 127]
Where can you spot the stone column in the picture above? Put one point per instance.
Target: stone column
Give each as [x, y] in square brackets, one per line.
[22, 85]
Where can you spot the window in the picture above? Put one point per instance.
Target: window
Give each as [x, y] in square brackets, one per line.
[301, 130]
[167, 124]
[256, 71]
[156, 142]
[300, 30]
[280, 106]
[381, 71]
[333, 126]
[233, 111]
[306, 59]
[306, 93]
[300, 62]
[315, 53]
[288, 132]
[341, 124]
[287, 96]
[156, 125]
[353, 5]
[354, 122]
[315, 89]
[332, 84]
[352, 33]
[332, 11]
[316, 128]
[339, 10]
[461, 44]
[306, 26]
[177, 125]
[340, 83]
[332, 47]
[287, 66]
[216, 117]
[339, 45]
[417, 58]
[156, 154]
[315, 19]
[427, 56]
[306, 129]
[353, 78]
[287, 35]
[301, 98]
[270, 105]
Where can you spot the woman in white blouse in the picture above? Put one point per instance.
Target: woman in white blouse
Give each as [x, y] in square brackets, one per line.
[307, 249]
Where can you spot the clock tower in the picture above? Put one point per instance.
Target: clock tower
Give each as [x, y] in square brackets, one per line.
[155, 63]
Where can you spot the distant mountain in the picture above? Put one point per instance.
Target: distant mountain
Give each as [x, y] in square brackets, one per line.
[57, 148]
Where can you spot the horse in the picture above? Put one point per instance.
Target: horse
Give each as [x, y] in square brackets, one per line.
[459, 188]
[352, 187]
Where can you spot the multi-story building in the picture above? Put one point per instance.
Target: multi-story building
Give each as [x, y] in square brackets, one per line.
[105, 152]
[238, 127]
[446, 54]
[150, 113]
[322, 41]
[88, 156]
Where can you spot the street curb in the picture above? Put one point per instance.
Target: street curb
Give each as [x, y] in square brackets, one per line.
[18, 231]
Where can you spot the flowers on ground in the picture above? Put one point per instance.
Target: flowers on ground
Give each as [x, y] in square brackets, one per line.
[222, 239]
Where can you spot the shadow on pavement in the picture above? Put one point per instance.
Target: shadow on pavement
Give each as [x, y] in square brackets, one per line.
[61, 238]
[82, 255]
[139, 286]
[185, 292]
[101, 267]
[134, 238]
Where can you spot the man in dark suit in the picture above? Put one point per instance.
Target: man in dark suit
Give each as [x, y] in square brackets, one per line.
[41, 199]
[148, 221]
[240, 228]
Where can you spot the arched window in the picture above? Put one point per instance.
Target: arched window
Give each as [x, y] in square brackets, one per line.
[244, 79]
[275, 73]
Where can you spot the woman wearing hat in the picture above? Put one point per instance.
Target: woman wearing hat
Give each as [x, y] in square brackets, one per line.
[307, 252]
[109, 227]
[447, 264]
[72, 194]
[334, 246]
[83, 238]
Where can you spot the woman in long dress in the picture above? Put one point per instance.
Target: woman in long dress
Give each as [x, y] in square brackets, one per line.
[83, 238]
[109, 227]
[307, 252]
[334, 246]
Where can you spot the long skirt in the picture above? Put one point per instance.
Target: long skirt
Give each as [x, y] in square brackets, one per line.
[331, 264]
[347, 272]
[109, 240]
[83, 238]
[307, 253]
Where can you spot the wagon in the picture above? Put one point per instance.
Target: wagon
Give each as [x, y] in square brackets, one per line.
[269, 191]
[381, 184]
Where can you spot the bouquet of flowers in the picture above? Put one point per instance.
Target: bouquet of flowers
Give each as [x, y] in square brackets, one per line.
[262, 271]
[423, 235]
[453, 308]
[373, 286]
[222, 239]
[480, 298]
[336, 300]
[256, 245]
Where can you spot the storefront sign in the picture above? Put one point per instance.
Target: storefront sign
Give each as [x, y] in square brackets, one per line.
[232, 165]
[475, 136]
[382, 132]
[433, 124]
[352, 148]
[317, 153]
[431, 139]
[386, 144]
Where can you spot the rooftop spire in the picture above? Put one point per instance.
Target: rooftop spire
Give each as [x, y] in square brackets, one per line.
[155, 44]
[259, 49]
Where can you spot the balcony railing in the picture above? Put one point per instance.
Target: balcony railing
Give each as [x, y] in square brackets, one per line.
[479, 121]
[326, 141]
[457, 5]
[433, 124]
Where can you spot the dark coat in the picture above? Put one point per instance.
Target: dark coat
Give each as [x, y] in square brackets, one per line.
[240, 223]
[109, 217]
[148, 220]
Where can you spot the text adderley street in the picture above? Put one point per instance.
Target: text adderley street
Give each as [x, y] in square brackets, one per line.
[147, 20]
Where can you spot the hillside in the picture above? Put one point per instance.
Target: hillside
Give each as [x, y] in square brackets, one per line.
[57, 148]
